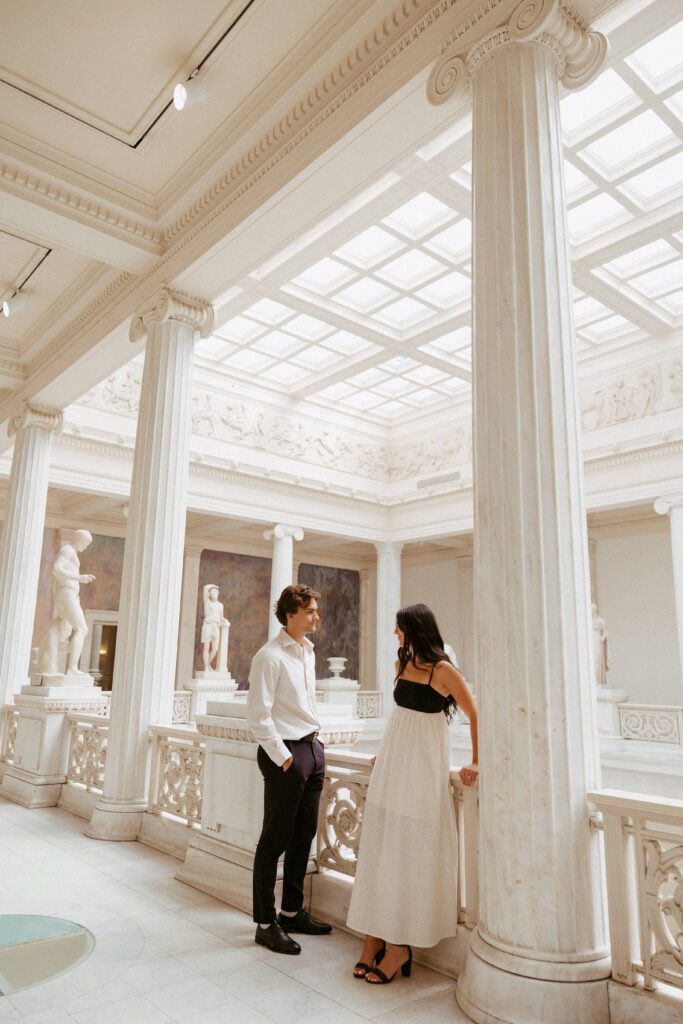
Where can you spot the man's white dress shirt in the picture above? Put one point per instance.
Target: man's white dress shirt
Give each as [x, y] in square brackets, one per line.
[281, 700]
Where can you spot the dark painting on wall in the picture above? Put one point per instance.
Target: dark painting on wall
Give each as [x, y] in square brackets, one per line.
[244, 585]
[340, 604]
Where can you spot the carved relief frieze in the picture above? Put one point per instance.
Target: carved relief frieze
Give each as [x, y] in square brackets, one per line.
[632, 395]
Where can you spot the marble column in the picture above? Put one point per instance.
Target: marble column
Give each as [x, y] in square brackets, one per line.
[540, 950]
[282, 570]
[188, 617]
[22, 541]
[672, 505]
[144, 673]
[388, 603]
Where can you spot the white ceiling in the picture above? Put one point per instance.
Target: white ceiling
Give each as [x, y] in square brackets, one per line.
[372, 315]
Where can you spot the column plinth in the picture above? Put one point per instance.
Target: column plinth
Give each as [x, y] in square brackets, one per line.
[388, 603]
[540, 952]
[282, 568]
[22, 541]
[144, 673]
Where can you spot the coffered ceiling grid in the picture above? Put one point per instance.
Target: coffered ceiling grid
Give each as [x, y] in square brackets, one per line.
[373, 315]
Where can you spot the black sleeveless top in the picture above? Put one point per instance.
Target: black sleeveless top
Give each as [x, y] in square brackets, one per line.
[419, 696]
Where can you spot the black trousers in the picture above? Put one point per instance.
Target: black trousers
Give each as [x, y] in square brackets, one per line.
[290, 821]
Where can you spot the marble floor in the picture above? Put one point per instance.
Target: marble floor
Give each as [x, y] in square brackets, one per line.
[166, 952]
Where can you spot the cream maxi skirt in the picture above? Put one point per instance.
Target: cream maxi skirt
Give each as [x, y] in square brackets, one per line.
[405, 890]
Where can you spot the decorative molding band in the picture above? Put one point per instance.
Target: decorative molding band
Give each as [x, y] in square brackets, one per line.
[58, 197]
[580, 52]
[36, 416]
[172, 305]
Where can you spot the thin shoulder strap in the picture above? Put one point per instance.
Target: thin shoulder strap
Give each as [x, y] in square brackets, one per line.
[432, 673]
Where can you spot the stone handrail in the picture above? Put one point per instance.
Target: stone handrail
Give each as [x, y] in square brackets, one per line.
[87, 750]
[340, 821]
[176, 777]
[8, 733]
[644, 868]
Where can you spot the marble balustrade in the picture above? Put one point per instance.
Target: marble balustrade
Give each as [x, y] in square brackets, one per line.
[651, 723]
[88, 735]
[644, 866]
[176, 777]
[8, 733]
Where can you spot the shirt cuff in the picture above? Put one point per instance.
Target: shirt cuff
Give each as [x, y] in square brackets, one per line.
[276, 751]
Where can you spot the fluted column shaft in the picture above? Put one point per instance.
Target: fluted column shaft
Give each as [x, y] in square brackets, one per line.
[147, 642]
[541, 916]
[673, 507]
[188, 617]
[22, 543]
[388, 603]
[282, 568]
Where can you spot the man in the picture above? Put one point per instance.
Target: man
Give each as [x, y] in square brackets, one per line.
[282, 715]
[67, 614]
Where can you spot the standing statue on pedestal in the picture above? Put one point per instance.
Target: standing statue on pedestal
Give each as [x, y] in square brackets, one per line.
[68, 619]
[600, 648]
[215, 629]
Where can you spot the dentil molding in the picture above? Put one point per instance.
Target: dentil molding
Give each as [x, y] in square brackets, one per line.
[168, 305]
[554, 24]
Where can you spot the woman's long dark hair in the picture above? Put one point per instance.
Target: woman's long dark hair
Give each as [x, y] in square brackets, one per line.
[422, 641]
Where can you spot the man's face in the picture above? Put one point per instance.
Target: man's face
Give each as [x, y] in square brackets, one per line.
[305, 620]
[213, 594]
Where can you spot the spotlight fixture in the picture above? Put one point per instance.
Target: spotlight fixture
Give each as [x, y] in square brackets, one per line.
[186, 94]
[13, 305]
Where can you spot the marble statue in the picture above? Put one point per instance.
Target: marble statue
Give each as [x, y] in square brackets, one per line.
[600, 647]
[215, 629]
[68, 619]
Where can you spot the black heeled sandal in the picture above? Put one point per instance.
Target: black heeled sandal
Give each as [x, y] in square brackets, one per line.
[405, 970]
[367, 967]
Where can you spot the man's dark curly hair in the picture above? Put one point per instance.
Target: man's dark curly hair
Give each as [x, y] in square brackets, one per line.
[298, 595]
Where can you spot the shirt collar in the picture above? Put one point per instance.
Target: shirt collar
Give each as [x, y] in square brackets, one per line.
[287, 641]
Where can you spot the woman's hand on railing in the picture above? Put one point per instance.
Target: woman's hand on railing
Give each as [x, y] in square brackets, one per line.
[372, 760]
[469, 774]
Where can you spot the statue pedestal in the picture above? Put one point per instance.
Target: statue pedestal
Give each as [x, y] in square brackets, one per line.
[41, 749]
[74, 686]
[209, 686]
[608, 711]
[337, 690]
[220, 858]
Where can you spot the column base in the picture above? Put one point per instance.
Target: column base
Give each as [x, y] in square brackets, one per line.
[29, 788]
[116, 822]
[489, 992]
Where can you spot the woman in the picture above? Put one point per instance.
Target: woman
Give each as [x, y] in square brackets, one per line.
[405, 891]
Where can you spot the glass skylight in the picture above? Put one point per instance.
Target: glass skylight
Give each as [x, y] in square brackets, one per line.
[309, 327]
[663, 279]
[675, 104]
[426, 375]
[269, 312]
[636, 137]
[588, 309]
[284, 373]
[454, 340]
[249, 361]
[365, 295]
[370, 247]
[324, 276]
[403, 313]
[673, 302]
[394, 387]
[456, 131]
[367, 378]
[455, 242]
[213, 348]
[660, 62]
[398, 364]
[589, 217]
[411, 269]
[607, 92]
[642, 258]
[335, 392]
[240, 329]
[391, 409]
[612, 325]
[315, 357]
[448, 291]
[663, 178]
[276, 343]
[363, 400]
[348, 344]
[422, 398]
[419, 215]
[575, 181]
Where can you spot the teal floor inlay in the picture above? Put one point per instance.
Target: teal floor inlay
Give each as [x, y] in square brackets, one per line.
[16, 928]
[34, 949]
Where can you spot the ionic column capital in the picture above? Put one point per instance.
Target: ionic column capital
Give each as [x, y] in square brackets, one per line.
[579, 51]
[33, 415]
[389, 547]
[167, 305]
[281, 531]
[665, 505]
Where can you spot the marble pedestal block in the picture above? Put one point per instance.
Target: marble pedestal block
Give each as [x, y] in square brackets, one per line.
[41, 750]
[209, 686]
[220, 859]
[337, 690]
[609, 700]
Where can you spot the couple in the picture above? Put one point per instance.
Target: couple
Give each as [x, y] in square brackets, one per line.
[405, 890]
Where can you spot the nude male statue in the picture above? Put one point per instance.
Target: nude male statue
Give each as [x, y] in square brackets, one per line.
[67, 613]
[214, 619]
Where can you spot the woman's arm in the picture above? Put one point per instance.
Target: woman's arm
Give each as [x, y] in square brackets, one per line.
[450, 679]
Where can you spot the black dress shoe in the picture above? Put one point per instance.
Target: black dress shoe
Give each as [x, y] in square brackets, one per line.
[276, 939]
[303, 922]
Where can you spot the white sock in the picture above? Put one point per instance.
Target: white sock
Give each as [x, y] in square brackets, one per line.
[289, 913]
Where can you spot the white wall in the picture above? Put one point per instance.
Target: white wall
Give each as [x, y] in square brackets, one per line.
[635, 596]
[444, 582]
